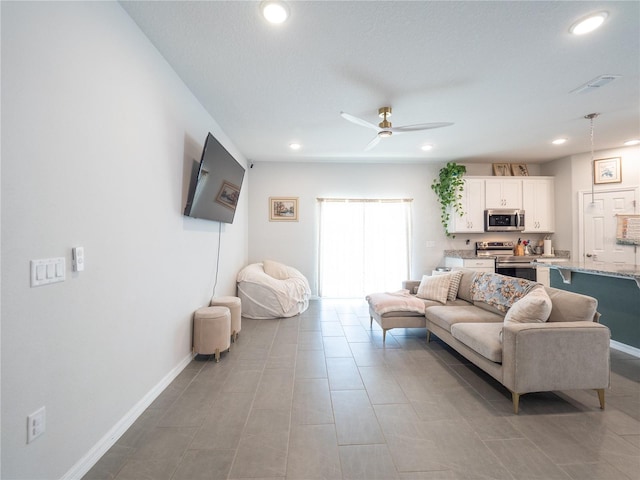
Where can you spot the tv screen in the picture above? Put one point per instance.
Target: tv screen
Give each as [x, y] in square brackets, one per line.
[215, 184]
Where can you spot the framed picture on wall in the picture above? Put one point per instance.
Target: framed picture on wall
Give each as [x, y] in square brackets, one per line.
[519, 170]
[283, 209]
[607, 170]
[228, 195]
[502, 169]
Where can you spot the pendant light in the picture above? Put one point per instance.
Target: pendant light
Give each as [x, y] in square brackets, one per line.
[591, 117]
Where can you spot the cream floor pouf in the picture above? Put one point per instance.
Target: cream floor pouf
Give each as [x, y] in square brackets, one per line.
[212, 330]
[234, 304]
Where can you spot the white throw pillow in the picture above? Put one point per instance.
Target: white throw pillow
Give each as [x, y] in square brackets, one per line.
[275, 269]
[454, 282]
[434, 288]
[534, 307]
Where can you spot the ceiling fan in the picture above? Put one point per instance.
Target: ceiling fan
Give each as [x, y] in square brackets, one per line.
[385, 129]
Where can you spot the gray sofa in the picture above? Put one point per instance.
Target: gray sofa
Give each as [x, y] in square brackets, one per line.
[568, 351]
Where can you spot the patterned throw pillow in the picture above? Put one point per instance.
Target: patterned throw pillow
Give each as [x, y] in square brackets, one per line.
[434, 288]
[454, 284]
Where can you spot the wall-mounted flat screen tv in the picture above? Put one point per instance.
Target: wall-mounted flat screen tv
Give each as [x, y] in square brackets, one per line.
[215, 184]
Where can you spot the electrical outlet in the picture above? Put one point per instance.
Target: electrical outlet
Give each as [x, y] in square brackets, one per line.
[36, 424]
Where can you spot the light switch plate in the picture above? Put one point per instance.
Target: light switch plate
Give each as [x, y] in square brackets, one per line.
[47, 270]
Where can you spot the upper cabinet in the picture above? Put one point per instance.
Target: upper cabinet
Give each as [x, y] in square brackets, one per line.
[473, 205]
[538, 201]
[535, 195]
[503, 193]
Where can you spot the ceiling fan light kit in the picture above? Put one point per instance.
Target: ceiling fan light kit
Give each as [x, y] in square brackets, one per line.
[386, 129]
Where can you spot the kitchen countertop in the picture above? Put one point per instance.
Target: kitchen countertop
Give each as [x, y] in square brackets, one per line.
[471, 254]
[605, 269]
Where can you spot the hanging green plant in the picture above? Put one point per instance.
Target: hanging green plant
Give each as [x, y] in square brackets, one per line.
[448, 186]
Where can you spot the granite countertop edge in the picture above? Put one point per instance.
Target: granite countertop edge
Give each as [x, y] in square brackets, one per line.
[471, 254]
[606, 269]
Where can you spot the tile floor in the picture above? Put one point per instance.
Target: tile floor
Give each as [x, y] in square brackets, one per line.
[319, 396]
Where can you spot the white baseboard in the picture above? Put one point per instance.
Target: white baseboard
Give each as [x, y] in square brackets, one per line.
[625, 348]
[105, 443]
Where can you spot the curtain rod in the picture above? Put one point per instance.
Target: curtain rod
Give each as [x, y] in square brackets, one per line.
[365, 200]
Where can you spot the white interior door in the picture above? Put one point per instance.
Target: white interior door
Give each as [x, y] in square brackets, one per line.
[599, 222]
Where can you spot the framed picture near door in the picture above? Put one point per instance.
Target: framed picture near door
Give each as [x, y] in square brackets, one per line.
[607, 170]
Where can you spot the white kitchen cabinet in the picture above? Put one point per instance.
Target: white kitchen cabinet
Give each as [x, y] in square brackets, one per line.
[472, 221]
[538, 205]
[487, 265]
[503, 193]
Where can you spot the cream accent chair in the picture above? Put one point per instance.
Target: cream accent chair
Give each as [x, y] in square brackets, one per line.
[272, 290]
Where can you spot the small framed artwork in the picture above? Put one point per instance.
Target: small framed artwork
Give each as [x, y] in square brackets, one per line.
[283, 209]
[519, 170]
[607, 170]
[502, 169]
[228, 195]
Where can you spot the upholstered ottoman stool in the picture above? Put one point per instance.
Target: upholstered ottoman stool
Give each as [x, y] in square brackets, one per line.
[211, 330]
[234, 304]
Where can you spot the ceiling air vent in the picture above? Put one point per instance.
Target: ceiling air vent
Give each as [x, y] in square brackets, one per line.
[596, 83]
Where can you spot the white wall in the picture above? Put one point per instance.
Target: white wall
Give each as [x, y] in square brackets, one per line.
[574, 174]
[98, 136]
[295, 243]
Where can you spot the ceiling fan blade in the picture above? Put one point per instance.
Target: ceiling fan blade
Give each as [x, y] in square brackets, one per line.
[420, 126]
[372, 143]
[358, 121]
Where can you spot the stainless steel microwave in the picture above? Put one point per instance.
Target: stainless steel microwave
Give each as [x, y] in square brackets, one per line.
[504, 220]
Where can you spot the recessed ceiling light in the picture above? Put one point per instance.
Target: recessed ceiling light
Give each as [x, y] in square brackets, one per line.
[295, 146]
[588, 24]
[630, 143]
[274, 11]
[559, 141]
[426, 147]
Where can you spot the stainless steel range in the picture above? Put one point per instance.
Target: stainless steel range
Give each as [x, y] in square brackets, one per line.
[506, 262]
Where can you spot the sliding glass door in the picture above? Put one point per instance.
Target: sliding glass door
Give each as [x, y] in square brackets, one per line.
[364, 246]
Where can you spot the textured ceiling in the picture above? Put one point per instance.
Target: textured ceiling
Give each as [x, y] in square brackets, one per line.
[502, 71]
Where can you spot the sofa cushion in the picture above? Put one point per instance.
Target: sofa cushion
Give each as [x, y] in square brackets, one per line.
[571, 307]
[445, 316]
[434, 288]
[480, 337]
[464, 290]
[535, 306]
[488, 308]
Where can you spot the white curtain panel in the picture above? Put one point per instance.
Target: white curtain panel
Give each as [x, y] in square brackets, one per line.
[365, 246]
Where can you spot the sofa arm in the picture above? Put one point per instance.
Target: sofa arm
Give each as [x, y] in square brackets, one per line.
[411, 285]
[540, 357]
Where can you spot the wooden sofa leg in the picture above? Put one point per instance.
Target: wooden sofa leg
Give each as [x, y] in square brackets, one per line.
[428, 336]
[384, 335]
[516, 401]
[370, 321]
[601, 397]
